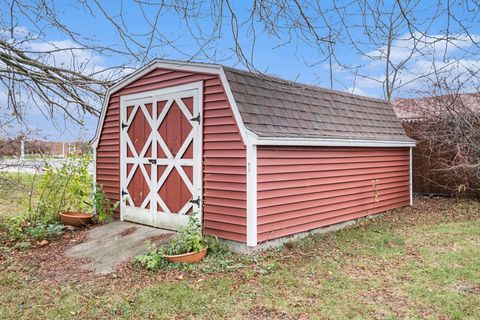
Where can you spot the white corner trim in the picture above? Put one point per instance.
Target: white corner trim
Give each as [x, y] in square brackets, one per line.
[174, 65]
[244, 132]
[331, 142]
[94, 187]
[251, 195]
[411, 177]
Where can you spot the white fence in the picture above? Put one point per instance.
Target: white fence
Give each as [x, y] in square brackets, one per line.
[32, 165]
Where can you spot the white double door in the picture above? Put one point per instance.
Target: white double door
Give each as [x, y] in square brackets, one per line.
[160, 149]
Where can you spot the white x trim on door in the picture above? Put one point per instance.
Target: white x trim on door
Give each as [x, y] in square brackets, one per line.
[146, 212]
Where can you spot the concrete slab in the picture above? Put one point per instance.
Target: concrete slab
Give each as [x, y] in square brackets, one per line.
[107, 246]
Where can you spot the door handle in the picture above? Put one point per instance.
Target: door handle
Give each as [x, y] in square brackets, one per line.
[152, 161]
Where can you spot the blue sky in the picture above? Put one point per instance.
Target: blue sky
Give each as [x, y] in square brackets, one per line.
[296, 60]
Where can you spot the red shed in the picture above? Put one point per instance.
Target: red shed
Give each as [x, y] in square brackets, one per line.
[258, 157]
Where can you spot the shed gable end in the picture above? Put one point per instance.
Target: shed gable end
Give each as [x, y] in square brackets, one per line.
[224, 153]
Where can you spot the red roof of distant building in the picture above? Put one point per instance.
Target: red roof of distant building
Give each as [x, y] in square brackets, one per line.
[427, 107]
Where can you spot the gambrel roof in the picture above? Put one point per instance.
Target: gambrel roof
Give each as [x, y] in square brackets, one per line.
[273, 111]
[273, 107]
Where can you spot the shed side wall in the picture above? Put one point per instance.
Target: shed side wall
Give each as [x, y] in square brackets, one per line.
[303, 188]
[224, 154]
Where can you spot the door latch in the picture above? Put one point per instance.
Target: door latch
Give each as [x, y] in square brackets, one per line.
[152, 161]
[124, 125]
[124, 193]
[197, 118]
[196, 201]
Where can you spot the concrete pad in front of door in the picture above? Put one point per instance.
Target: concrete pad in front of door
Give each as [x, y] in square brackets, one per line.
[109, 245]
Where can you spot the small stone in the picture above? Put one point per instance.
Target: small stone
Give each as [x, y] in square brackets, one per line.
[180, 277]
[43, 243]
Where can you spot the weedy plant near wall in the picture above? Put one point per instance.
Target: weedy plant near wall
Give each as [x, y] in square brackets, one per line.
[62, 187]
[102, 206]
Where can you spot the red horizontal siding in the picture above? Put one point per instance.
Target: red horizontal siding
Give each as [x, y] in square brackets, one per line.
[224, 167]
[303, 188]
[224, 159]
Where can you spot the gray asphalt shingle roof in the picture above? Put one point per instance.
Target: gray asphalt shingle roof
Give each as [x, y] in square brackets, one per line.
[273, 107]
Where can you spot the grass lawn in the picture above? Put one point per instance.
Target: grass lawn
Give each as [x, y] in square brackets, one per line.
[420, 263]
[15, 191]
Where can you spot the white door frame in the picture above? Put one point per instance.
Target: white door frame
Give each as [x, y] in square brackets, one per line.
[174, 221]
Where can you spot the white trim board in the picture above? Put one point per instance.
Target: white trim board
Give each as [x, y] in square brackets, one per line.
[411, 176]
[331, 142]
[252, 221]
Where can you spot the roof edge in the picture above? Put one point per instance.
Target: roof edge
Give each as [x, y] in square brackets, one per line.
[168, 64]
[332, 142]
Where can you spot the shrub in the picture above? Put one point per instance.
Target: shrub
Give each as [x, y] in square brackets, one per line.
[43, 231]
[64, 188]
[188, 239]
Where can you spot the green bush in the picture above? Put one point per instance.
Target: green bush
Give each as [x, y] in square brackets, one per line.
[64, 188]
[153, 259]
[13, 228]
[217, 252]
[43, 231]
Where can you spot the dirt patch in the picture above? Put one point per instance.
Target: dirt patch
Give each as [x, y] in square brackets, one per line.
[127, 231]
[49, 264]
[160, 238]
[468, 289]
[261, 312]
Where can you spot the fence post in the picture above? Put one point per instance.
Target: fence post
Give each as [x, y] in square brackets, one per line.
[22, 149]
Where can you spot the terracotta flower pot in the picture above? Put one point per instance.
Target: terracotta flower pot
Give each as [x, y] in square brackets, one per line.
[76, 219]
[191, 257]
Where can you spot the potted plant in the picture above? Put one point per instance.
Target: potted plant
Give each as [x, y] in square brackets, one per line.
[101, 205]
[189, 245]
[75, 218]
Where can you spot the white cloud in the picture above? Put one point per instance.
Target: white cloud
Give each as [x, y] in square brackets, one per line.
[61, 53]
[453, 58]
[18, 32]
[67, 54]
[359, 91]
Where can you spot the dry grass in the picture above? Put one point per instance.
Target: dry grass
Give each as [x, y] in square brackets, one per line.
[411, 263]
